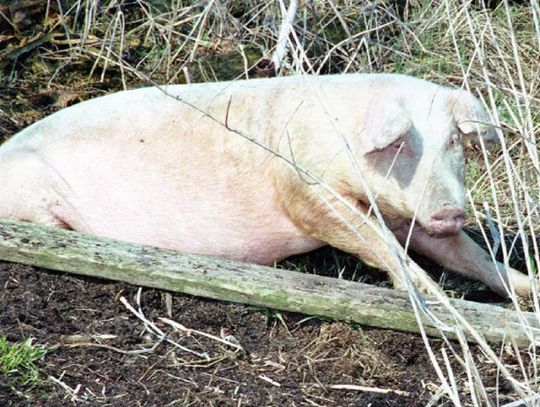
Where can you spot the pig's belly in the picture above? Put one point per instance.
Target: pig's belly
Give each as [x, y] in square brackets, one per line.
[220, 212]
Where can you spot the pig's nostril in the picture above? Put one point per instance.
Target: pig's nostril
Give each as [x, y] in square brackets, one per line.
[459, 218]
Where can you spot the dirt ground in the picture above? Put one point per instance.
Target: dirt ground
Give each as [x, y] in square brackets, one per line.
[102, 353]
[95, 346]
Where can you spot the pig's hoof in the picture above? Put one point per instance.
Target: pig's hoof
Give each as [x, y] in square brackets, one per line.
[427, 289]
[421, 286]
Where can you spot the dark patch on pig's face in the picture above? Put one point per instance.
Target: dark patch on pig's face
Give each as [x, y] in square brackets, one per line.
[399, 160]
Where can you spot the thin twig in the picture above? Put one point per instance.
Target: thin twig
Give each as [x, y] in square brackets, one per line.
[190, 331]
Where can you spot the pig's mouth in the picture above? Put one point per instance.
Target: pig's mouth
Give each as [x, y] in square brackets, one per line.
[444, 223]
[441, 234]
[438, 233]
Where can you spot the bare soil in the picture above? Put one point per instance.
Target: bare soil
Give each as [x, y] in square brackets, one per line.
[288, 360]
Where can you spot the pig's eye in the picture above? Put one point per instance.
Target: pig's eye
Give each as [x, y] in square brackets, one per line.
[454, 140]
[398, 144]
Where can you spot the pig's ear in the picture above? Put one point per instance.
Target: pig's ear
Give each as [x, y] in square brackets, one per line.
[471, 118]
[385, 124]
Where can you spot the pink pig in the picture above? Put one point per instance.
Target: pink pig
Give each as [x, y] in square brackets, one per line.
[262, 169]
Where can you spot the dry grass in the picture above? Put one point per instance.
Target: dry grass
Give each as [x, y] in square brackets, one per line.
[89, 47]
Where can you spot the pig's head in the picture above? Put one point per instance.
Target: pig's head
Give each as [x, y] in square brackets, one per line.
[414, 153]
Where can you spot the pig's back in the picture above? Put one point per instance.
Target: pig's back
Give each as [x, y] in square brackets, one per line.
[144, 167]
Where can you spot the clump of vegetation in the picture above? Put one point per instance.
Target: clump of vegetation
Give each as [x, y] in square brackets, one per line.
[18, 362]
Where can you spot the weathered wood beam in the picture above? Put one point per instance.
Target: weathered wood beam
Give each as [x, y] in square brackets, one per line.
[226, 280]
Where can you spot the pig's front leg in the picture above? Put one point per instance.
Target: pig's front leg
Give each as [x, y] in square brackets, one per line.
[339, 226]
[461, 254]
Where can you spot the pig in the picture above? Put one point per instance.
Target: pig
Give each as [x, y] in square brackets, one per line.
[263, 169]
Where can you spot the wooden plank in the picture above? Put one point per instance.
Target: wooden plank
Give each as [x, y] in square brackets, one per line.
[226, 280]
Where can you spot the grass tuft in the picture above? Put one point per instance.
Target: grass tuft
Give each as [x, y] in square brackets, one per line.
[17, 362]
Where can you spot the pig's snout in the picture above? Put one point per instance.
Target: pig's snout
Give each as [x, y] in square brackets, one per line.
[447, 221]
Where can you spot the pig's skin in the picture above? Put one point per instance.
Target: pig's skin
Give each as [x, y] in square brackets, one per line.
[144, 167]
